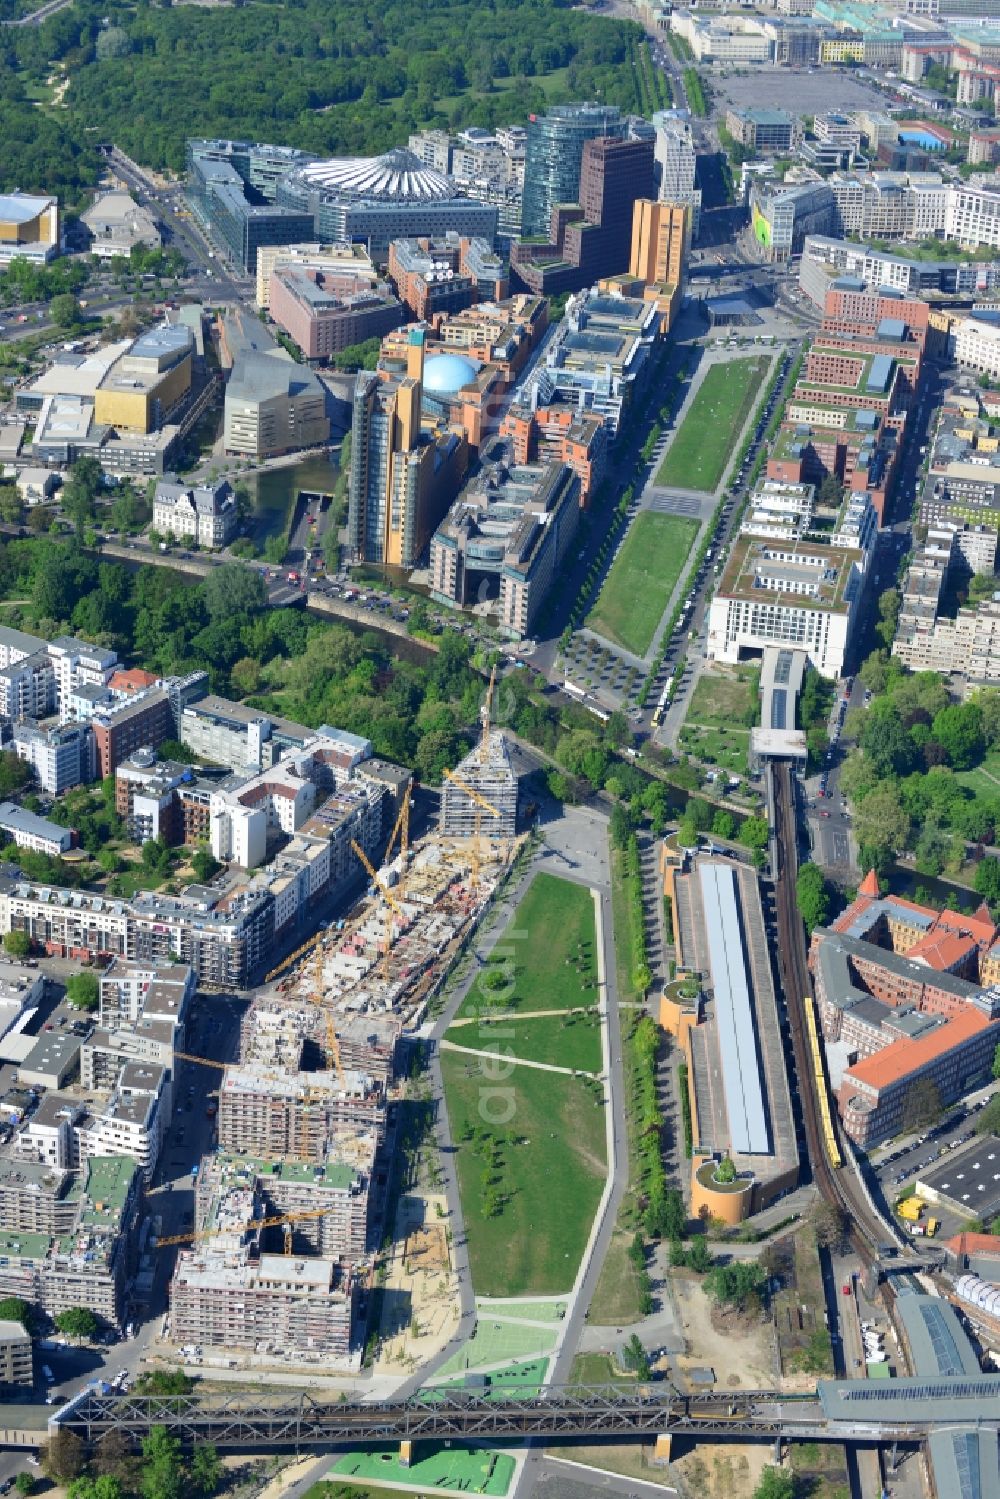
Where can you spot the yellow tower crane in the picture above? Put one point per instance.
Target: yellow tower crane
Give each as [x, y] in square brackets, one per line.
[482, 803]
[392, 903]
[195, 1234]
[332, 1044]
[400, 830]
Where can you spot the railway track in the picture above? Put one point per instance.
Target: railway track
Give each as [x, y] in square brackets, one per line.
[867, 1230]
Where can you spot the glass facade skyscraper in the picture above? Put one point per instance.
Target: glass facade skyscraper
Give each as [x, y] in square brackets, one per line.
[553, 155]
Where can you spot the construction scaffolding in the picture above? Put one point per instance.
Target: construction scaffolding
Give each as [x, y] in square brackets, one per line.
[488, 773]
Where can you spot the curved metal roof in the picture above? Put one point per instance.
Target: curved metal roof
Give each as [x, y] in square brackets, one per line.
[398, 175]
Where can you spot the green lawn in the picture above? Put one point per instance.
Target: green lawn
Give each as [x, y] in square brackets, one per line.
[525, 1378]
[722, 702]
[984, 780]
[549, 1172]
[471, 1470]
[705, 442]
[727, 748]
[616, 1298]
[570, 1040]
[546, 958]
[642, 578]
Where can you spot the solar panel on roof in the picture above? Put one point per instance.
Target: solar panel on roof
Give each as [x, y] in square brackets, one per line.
[779, 708]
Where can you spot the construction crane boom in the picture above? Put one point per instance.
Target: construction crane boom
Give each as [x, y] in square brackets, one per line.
[484, 743]
[376, 881]
[400, 829]
[332, 1044]
[185, 1056]
[212, 1233]
[474, 796]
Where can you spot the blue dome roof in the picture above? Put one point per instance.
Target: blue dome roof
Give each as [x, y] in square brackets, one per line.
[444, 374]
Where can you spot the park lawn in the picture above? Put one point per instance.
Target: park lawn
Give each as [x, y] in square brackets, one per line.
[984, 779]
[472, 1470]
[616, 1299]
[729, 749]
[705, 442]
[722, 702]
[596, 1369]
[566, 1040]
[550, 1179]
[551, 944]
[642, 578]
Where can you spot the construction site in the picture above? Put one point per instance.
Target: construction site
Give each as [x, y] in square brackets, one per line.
[289, 1210]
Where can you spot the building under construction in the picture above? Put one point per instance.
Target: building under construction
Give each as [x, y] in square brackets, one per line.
[295, 1115]
[492, 811]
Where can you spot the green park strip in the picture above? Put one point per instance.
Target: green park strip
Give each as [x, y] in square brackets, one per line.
[705, 442]
[642, 578]
[513, 1379]
[433, 1466]
[545, 960]
[568, 1039]
[530, 1182]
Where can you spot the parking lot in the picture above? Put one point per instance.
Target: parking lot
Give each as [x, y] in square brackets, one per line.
[902, 1164]
[800, 91]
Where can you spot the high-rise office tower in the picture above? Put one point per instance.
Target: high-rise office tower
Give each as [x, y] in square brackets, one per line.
[675, 164]
[659, 234]
[554, 155]
[403, 476]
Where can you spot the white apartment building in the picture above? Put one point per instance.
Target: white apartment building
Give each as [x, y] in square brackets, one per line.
[973, 216]
[134, 1120]
[977, 345]
[60, 757]
[31, 831]
[77, 664]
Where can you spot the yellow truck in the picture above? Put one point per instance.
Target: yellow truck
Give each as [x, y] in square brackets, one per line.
[910, 1209]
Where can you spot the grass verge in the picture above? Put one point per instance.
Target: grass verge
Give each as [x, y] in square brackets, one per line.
[571, 1039]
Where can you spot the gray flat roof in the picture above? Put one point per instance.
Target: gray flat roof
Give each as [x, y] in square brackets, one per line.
[936, 1338]
[969, 1178]
[734, 1012]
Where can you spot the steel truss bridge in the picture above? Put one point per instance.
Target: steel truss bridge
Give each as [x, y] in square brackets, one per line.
[242, 1423]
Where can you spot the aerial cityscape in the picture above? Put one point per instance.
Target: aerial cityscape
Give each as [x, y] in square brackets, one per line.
[500, 749]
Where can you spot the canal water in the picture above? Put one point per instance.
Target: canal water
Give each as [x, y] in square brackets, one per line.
[273, 492]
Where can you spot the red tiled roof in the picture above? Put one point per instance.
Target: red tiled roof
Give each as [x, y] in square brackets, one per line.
[975, 926]
[903, 1057]
[942, 950]
[869, 885]
[973, 1244]
[132, 680]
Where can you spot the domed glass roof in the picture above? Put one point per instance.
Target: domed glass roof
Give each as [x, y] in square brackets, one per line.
[398, 175]
[444, 374]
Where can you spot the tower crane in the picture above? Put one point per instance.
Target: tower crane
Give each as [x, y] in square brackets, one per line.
[281, 1219]
[332, 1043]
[391, 902]
[480, 802]
[400, 830]
[484, 741]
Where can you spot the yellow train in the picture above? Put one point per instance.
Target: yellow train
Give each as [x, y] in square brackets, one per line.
[822, 1090]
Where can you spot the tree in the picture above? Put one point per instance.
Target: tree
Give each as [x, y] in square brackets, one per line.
[113, 1460]
[674, 1214]
[17, 944]
[775, 1483]
[755, 832]
[829, 1226]
[634, 1357]
[886, 741]
[812, 896]
[206, 1469]
[232, 590]
[738, 1284]
[24, 1483]
[881, 822]
[64, 311]
[959, 731]
[83, 991]
[922, 1105]
[995, 1069]
[987, 880]
[77, 1321]
[162, 1471]
[699, 1256]
[15, 1309]
[64, 1456]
